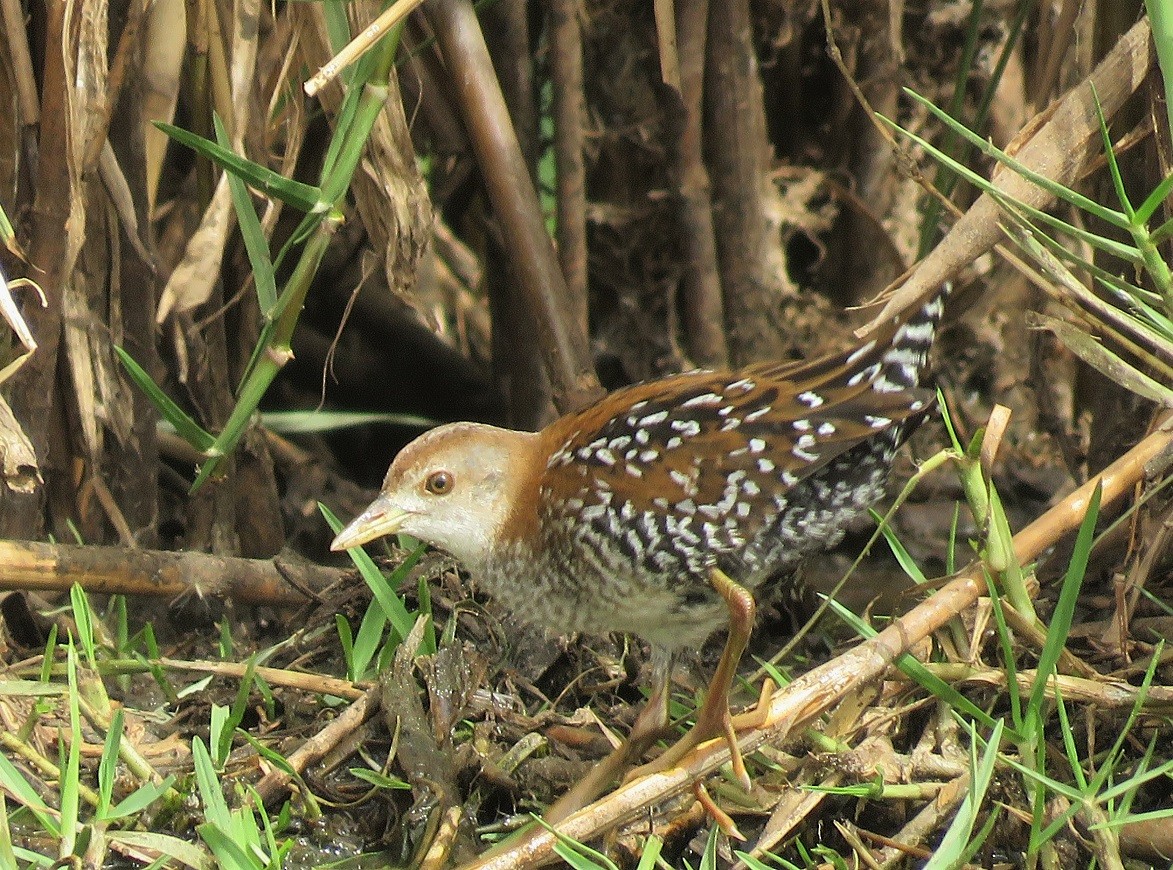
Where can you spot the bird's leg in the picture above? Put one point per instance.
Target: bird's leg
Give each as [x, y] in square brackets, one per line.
[713, 719]
[649, 726]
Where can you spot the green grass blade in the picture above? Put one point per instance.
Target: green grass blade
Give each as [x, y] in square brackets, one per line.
[1113, 166]
[1026, 213]
[1052, 187]
[401, 620]
[71, 770]
[1153, 201]
[313, 422]
[578, 855]
[709, 856]
[83, 617]
[1162, 233]
[957, 844]
[229, 854]
[7, 853]
[217, 725]
[903, 557]
[189, 854]
[141, 798]
[237, 711]
[368, 639]
[337, 27]
[346, 640]
[301, 196]
[255, 243]
[13, 782]
[1124, 806]
[1161, 19]
[1161, 771]
[379, 780]
[108, 765]
[1070, 750]
[185, 426]
[1133, 818]
[215, 806]
[650, 853]
[1106, 362]
[1006, 644]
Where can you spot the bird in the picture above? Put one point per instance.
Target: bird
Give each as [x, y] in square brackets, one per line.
[656, 511]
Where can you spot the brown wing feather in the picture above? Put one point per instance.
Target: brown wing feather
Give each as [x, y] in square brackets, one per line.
[685, 437]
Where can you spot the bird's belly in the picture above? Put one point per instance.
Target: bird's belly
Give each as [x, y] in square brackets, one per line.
[671, 610]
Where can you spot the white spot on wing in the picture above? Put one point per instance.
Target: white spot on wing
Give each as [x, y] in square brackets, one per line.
[865, 374]
[703, 400]
[858, 353]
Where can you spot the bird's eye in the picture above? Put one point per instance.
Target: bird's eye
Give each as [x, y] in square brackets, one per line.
[440, 482]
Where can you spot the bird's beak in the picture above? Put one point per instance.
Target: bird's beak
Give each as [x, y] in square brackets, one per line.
[381, 518]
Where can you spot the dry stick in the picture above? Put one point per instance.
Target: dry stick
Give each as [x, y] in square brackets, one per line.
[275, 784]
[704, 310]
[798, 803]
[1057, 143]
[666, 43]
[746, 216]
[1151, 839]
[36, 398]
[518, 363]
[816, 691]
[1058, 44]
[358, 46]
[302, 681]
[127, 46]
[569, 114]
[1100, 693]
[56, 567]
[16, 36]
[515, 202]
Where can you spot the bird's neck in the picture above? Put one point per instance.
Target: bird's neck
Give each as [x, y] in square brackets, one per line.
[526, 465]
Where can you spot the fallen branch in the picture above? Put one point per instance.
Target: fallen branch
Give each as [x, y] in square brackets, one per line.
[26, 565]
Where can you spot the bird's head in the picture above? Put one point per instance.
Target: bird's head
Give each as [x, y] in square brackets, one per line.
[454, 487]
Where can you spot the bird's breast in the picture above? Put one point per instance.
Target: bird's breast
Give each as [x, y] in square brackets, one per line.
[580, 584]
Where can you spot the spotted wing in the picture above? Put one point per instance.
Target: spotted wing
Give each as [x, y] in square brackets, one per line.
[717, 446]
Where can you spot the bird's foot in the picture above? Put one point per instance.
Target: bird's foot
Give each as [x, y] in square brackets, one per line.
[701, 732]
